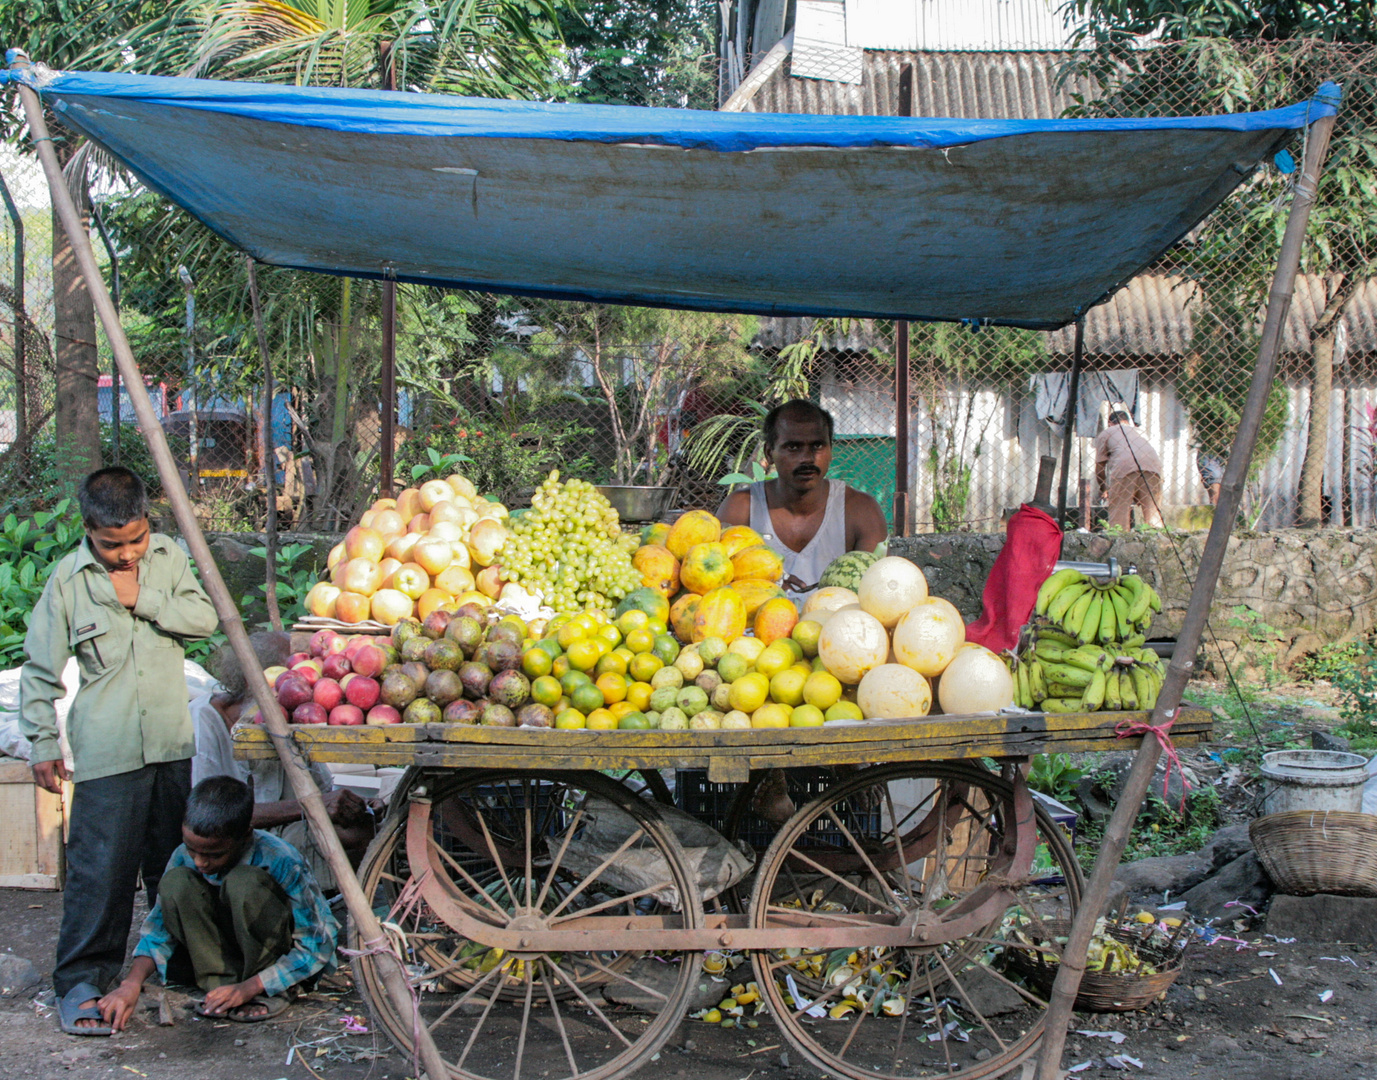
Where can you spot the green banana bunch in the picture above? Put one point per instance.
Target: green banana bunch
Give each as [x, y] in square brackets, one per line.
[1097, 610]
[1056, 670]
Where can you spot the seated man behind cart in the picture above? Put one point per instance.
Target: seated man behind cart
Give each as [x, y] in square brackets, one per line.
[807, 518]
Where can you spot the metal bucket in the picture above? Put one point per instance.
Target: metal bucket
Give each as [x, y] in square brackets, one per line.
[1313, 780]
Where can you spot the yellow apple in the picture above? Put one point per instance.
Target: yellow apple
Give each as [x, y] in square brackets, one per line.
[361, 576]
[351, 607]
[364, 543]
[411, 580]
[432, 600]
[400, 546]
[434, 492]
[486, 539]
[433, 555]
[390, 606]
[320, 601]
[455, 580]
[408, 504]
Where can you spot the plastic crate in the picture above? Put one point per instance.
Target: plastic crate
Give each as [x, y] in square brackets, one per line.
[711, 804]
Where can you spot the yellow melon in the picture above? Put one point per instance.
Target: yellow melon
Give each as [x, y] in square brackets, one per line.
[681, 615]
[928, 636]
[754, 593]
[720, 614]
[851, 644]
[659, 568]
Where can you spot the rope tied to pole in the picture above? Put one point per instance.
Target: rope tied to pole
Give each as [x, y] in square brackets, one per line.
[1126, 729]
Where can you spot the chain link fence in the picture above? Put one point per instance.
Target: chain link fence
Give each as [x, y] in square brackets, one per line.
[506, 388]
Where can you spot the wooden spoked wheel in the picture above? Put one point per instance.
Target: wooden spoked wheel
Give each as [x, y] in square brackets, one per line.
[515, 850]
[948, 850]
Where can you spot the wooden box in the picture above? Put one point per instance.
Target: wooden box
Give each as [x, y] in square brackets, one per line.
[31, 836]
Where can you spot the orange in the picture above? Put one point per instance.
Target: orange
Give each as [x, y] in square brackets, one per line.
[632, 620]
[545, 690]
[640, 641]
[644, 667]
[621, 708]
[601, 720]
[613, 662]
[613, 687]
[638, 695]
[583, 654]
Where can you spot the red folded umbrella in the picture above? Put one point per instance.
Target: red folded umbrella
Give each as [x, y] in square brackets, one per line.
[1032, 547]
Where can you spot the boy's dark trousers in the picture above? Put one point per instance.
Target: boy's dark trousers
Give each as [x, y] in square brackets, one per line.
[118, 825]
[225, 933]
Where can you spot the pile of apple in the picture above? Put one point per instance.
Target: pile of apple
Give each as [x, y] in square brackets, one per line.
[337, 682]
[430, 547]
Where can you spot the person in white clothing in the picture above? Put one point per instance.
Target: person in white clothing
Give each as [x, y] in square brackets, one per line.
[807, 518]
[214, 717]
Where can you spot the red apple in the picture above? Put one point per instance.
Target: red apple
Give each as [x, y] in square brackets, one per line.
[292, 691]
[369, 660]
[321, 641]
[310, 670]
[363, 692]
[296, 658]
[327, 693]
[345, 716]
[336, 666]
[310, 713]
[383, 714]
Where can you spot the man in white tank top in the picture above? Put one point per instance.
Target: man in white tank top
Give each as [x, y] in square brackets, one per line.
[808, 519]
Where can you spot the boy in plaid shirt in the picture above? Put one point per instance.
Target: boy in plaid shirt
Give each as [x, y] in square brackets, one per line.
[238, 914]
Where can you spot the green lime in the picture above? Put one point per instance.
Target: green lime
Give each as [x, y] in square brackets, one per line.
[586, 698]
[634, 721]
[571, 680]
[666, 648]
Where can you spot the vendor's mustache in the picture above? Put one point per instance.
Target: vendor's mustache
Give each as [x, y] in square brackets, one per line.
[806, 470]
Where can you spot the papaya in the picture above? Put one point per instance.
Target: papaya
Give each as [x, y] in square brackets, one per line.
[775, 619]
[739, 537]
[706, 567]
[681, 615]
[656, 533]
[753, 593]
[720, 614]
[695, 527]
[758, 563]
[658, 568]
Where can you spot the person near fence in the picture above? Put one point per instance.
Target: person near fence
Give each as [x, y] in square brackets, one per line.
[1129, 471]
[809, 520]
[238, 915]
[123, 602]
[1211, 471]
[804, 516]
[214, 716]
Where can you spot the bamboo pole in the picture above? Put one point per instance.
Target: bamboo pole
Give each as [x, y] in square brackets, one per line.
[1072, 965]
[269, 458]
[1068, 426]
[360, 908]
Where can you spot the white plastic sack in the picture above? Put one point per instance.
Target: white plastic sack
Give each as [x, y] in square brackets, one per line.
[712, 859]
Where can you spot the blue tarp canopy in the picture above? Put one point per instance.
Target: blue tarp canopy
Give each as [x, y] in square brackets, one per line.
[1023, 223]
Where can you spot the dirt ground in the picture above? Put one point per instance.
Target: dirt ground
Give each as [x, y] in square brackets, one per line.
[1225, 1019]
[1247, 1009]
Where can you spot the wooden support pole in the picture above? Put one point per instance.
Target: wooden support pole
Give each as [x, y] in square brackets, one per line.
[1068, 426]
[269, 458]
[1093, 900]
[323, 832]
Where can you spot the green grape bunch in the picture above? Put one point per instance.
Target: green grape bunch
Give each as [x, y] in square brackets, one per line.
[569, 549]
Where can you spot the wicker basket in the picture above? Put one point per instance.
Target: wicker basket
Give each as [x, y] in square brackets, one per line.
[1117, 991]
[1318, 851]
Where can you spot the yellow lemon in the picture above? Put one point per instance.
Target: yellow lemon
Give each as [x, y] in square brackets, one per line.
[806, 633]
[822, 689]
[621, 708]
[609, 634]
[638, 695]
[806, 716]
[570, 632]
[771, 716]
[787, 687]
[773, 659]
[844, 710]
[632, 620]
[749, 647]
[602, 720]
[749, 692]
[612, 662]
[640, 641]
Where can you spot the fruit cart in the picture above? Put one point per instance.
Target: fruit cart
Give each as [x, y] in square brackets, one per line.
[874, 925]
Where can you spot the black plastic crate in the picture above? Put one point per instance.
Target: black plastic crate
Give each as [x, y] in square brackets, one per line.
[711, 804]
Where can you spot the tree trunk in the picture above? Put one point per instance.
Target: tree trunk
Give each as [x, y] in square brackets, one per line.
[1310, 496]
[78, 364]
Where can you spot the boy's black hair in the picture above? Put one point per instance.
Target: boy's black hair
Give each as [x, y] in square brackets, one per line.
[220, 808]
[112, 498]
[798, 409]
[270, 646]
[1118, 416]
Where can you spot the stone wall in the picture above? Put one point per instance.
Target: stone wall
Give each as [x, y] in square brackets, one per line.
[1281, 594]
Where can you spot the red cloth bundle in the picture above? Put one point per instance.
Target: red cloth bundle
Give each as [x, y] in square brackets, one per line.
[1032, 546]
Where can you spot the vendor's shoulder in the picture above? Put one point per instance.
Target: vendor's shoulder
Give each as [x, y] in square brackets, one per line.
[736, 508]
[858, 499]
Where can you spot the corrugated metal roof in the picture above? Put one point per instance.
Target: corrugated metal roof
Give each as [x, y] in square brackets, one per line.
[955, 24]
[970, 85]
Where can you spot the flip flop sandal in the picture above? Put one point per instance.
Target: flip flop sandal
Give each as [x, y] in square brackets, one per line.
[272, 1005]
[69, 1011]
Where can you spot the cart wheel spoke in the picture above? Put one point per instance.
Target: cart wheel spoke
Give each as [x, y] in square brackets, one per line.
[949, 1004]
[513, 850]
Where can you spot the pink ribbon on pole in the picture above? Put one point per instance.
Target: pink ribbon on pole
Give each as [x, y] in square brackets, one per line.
[1127, 729]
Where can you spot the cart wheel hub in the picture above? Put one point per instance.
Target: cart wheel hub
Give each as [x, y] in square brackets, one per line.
[528, 922]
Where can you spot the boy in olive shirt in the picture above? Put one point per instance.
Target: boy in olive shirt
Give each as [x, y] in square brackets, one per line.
[122, 604]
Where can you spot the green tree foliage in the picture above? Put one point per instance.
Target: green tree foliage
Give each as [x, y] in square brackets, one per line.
[1340, 21]
[645, 53]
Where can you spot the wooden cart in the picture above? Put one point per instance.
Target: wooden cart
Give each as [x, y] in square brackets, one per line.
[875, 923]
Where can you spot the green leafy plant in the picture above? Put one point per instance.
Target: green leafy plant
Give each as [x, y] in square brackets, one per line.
[297, 570]
[756, 475]
[437, 465]
[29, 549]
[1055, 775]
